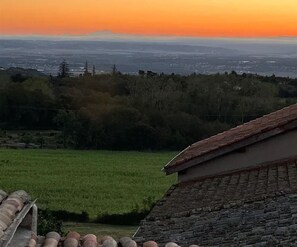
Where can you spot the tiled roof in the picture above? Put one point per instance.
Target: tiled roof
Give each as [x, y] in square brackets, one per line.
[73, 239]
[238, 137]
[18, 203]
[217, 192]
[10, 208]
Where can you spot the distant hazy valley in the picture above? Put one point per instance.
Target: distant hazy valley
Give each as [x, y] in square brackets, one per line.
[173, 56]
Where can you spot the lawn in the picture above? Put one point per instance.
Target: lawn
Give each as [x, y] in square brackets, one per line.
[93, 181]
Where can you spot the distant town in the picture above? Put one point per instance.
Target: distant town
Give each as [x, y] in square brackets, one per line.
[161, 57]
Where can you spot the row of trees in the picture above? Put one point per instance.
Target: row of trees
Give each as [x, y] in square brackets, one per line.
[64, 70]
[139, 112]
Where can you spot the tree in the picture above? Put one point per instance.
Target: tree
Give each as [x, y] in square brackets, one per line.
[94, 70]
[86, 68]
[141, 73]
[63, 69]
[66, 122]
[114, 69]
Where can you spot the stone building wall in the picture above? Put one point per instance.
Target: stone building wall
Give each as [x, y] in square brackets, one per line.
[268, 222]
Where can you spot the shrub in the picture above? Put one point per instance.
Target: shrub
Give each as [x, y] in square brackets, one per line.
[130, 218]
[47, 222]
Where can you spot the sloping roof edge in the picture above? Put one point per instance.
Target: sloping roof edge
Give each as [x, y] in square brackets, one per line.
[178, 163]
[9, 233]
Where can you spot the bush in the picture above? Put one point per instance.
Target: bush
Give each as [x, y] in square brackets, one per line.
[130, 218]
[27, 138]
[63, 215]
[47, 222]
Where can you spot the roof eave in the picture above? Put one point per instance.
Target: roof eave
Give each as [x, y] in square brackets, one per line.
[173, 167]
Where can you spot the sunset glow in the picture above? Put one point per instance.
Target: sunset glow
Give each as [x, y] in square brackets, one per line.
[206, 18]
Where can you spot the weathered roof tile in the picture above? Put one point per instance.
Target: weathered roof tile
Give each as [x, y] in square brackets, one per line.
[266, 180]
[10, 206]
[73, 239]
[274, 121]
[13, 205]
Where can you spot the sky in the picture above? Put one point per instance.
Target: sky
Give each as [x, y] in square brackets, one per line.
[190, 18]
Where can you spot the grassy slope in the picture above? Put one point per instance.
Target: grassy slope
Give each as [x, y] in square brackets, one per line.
[91, 181]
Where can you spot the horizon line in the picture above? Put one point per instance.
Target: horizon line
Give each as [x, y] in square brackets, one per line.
[111, 34]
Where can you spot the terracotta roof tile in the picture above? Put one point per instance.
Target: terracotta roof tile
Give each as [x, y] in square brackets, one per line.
[10, 206]
[235, 135]
[267, 180]
[73, 239]
[13, 205]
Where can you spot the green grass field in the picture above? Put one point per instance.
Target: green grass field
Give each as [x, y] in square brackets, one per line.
[93, 181]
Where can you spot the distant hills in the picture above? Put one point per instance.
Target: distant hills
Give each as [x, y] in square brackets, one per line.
[24, 72]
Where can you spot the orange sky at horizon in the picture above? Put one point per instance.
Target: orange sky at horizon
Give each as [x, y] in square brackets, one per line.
[203, 18]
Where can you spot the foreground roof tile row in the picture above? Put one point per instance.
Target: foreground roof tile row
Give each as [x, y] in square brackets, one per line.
[73, 239]
[14, 204]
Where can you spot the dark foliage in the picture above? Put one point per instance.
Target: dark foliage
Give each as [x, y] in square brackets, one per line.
[131, 218]
[47, 222]
[63, 215]
[144, 112]
[134, 217]
[64, 70]
[51, 220]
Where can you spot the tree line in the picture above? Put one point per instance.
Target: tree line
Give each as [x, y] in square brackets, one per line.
[148, 111]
